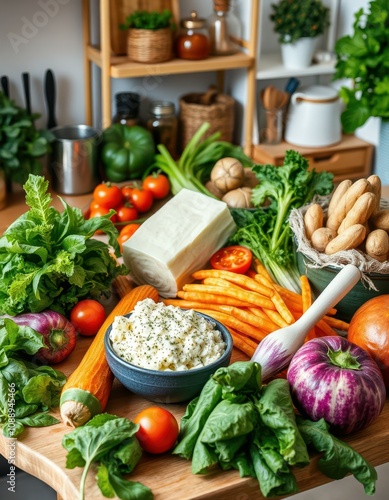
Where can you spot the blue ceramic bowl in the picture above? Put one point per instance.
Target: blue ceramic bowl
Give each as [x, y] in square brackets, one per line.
[319, 278]
[166, 386]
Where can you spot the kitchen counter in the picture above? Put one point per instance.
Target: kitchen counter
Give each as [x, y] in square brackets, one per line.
[40, 453]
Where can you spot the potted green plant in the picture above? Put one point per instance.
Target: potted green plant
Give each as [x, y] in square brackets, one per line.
[298, 25]
[150, 36]
[21, 144]
[362, 57]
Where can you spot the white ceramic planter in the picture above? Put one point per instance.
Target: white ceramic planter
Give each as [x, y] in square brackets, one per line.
[299, 54]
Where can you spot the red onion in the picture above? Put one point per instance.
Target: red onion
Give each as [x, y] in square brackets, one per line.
[59, 334]
[332, 378]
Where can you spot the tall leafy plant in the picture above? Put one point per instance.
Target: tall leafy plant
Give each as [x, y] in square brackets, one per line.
[21, 144]
[363, 57]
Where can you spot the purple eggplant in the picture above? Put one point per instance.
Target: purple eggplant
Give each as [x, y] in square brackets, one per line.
[332, 378]
[58, 333]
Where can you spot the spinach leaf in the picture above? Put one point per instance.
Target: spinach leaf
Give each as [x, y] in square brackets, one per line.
[27, 390]
[109, 441]
[195, 418]
[277, 413]
[338, 458]
[271, 484]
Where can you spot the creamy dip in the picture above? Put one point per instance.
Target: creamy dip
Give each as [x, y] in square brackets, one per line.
[161, 337]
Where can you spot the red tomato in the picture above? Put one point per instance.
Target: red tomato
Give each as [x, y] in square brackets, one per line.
[127, 213]
[87, 316]
[158, 184]
[100, 211]
[236, 259]
[108, 195]
[127, 190]
[126, 233]
[94, 205]
[369, 328]
[142, 199]
[158, 429]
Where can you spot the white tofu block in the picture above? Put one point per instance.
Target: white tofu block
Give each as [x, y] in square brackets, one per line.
[177, 240]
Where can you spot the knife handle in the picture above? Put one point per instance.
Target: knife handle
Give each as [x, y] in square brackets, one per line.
[50, 92]
[26, 87]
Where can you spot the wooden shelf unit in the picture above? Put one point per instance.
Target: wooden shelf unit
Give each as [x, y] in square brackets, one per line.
[349, 159]
[121, 67]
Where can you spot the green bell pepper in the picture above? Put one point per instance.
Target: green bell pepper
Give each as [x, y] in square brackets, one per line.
[126, 152]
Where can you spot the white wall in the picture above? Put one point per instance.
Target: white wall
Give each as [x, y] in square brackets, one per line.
[39, 34]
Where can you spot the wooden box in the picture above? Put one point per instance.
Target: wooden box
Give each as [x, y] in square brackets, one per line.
[120, 9]
[349, 159]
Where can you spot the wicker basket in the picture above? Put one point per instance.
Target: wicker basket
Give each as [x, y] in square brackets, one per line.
[150, 46]
[212, 107]
[120, 9]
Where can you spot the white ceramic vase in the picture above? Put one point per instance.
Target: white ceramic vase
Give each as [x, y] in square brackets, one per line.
[299, 54]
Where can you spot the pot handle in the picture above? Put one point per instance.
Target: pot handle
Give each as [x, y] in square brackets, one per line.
[297, 97]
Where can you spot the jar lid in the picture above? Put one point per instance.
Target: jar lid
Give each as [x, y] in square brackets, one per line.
[221, 5]
[193, 21]
[162, 108]
[318, 92]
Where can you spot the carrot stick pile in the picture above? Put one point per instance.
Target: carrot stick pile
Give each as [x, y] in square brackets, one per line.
[251, 306]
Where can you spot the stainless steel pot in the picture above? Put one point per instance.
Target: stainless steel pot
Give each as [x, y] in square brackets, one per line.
[74, 162]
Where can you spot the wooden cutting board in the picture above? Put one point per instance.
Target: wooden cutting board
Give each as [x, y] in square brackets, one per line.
[40, 453]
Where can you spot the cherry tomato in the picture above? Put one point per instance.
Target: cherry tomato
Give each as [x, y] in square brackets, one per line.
[108, 195]
[127, 213]
[236, 259]
[158, 184]
[100, 211]
[127, 190]
[126, 233]
[87, 316]
[129, 229]
[142, 199]
[94, 205]
[158, 429]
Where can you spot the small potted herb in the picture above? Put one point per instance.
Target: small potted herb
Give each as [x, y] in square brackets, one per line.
[21, 145]
[150, 36]
[362, 57]
[298, 25]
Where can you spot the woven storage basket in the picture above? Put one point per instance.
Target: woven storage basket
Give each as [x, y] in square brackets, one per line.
[150, 46]
[120, 9]
[216, 109]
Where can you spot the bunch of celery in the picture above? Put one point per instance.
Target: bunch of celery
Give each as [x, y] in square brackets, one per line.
[266, 231]
[192, 170]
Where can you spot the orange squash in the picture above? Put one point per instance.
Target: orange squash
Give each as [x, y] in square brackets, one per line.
[87, 390]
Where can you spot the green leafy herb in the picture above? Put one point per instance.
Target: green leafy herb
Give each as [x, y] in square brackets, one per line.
[266, 231]
[48, 259]
[293, 20]
[21, 144]
[148, 20]
[109, 441]
[193, 169]
[363, 57]
[338, 458]
[236, 423]
[27, 391]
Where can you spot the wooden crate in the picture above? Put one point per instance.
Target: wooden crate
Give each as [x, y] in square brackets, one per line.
[120, 9]
[350, 159]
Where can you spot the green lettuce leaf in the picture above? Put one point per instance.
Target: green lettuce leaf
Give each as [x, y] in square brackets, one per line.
[338, 458]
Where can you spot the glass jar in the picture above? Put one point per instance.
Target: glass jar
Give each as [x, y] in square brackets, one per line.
[127, 108]
[224, 29]
[192, 41]
[163, 125]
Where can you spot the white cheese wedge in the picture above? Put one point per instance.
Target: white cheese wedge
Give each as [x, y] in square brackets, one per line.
[177, 240]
